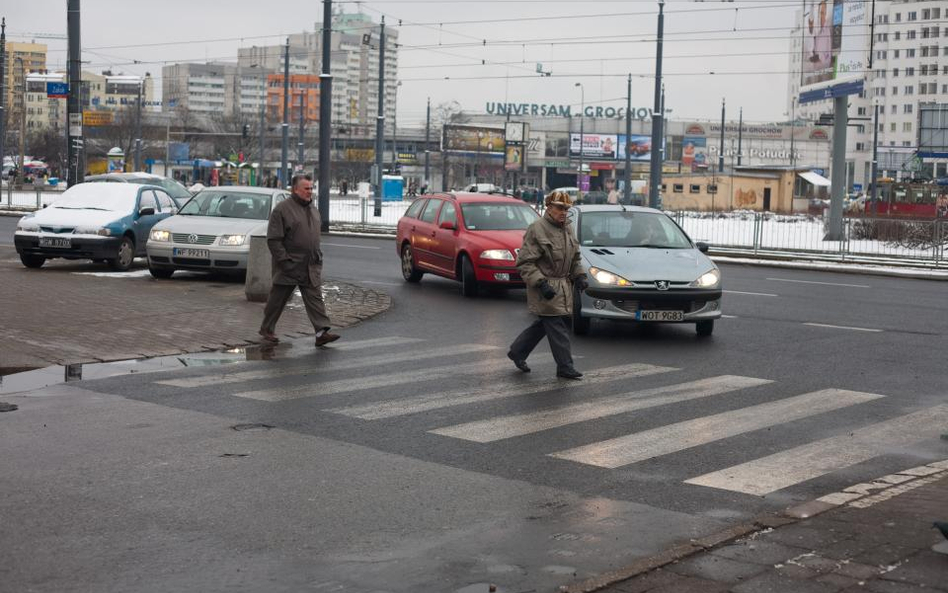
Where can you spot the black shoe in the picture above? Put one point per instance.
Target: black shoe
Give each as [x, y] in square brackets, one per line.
[520, 364]
[569, 374]
[325, 338]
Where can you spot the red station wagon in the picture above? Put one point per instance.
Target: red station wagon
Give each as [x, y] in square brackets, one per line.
[470, 237]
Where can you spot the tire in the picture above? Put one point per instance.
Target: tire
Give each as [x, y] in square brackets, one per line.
[32, 261]
[161, 273]
[468, 278]
[581, 324]
[705, 328]
[409, 272]
[125, 256]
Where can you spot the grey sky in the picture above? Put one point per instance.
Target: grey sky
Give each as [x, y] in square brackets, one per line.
[744, 43]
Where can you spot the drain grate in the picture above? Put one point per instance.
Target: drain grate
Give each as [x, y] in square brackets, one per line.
[252, 427]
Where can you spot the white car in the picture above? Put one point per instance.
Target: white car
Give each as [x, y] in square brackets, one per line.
[211, 233]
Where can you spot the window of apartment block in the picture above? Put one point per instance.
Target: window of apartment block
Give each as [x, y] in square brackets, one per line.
[909, 90]
[907, 126]
[944, 89]
[895, 108]
[860, 111]
[906, 143]
[924, 69]
[679, 188]
[895, 90]
[910, 53]
[861, 129]
[936, 32]
[694, 188]
[860, 146]
[926, 14]
[895, 72]
[907, 108]
[898, 17]
[924, 33]
[913, 16]
[898, 35]
[892, 127]
[910, 71]
[895, 53]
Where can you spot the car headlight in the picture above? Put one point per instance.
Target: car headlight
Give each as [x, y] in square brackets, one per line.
[604, 277]
[497, 254]
[233, 240]
[708, 280]
[104, 232]
[159, 236]
[27, 226]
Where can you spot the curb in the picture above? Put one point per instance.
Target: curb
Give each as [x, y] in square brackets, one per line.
[856, 496]
[838, 267]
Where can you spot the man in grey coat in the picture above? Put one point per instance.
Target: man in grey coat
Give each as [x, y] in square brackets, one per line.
[297, 261]
[549, 262]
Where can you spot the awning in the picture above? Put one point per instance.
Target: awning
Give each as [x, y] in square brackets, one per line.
[815, 178]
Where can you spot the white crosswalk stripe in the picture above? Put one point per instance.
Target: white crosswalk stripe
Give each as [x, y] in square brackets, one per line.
[505, 427]
[781, 470]
[356, 363]
[640, 446]
[375, 381]
[492, 391]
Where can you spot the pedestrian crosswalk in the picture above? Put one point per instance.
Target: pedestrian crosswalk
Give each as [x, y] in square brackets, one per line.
[490, 403]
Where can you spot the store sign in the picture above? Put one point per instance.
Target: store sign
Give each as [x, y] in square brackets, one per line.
[97, 118]
[360, 155]
[57, 90]
[757, 152]
[554, 110]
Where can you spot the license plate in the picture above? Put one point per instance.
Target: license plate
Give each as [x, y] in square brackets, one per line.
[659, 315]
[61, 242]
[184, 252]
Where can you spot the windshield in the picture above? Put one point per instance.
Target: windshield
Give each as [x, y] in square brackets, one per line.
[175, 189]
[98, 196]
[497, 217]
[228, 204]
[630, 229]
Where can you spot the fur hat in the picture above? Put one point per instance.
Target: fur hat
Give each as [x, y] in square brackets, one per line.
[559, 198]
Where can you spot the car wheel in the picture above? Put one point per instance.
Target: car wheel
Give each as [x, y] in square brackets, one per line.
[161, 273]
[705, 328]
[580, 324]
[125, 257]
[468, 278]
[409, 272]
[32, 261]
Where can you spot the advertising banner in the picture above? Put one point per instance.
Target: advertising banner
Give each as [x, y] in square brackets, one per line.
[640, 147]
[513, 158]
[835, 41]
[179, 151]
[57, 90]
[600, 146]
[473, 139]
[97, 118]
[694, 152]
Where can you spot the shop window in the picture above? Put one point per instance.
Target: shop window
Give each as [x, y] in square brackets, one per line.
[679, 188]
[694, 188]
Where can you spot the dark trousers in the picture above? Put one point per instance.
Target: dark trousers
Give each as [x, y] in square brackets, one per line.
[556, 329]
[281, 294]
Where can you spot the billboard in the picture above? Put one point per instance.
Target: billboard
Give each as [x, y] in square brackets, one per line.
[57, 90]
[640, 147]
[473, 139]
[97, 118]
[694, 152]
[835, 44]
[597, 146]
[513, 158]
[933, 130]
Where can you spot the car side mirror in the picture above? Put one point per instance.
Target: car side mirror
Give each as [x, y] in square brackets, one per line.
[447, 225]
[702, 246]
[146, 211]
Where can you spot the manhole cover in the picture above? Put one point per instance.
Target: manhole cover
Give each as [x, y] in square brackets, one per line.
[251, 427]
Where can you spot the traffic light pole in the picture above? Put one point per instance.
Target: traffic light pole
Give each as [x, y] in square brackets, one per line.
[76, 165]
[325, 119]
[284, 180]
[380, 123]
[655, 166]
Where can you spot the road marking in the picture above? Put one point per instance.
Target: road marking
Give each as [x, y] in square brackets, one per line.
[766, 294]
[505, 427]
[349, 246]
[858, 329]
[491, 391]
[780, 470]
[356, 363]
[815, 282]
[729, 316]
[375, 342]
[373, 382]
[633, 448]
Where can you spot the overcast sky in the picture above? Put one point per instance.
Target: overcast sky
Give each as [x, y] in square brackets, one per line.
[744, 44]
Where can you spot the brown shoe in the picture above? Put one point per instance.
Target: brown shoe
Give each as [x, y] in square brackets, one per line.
[268, 336]
[325, 338]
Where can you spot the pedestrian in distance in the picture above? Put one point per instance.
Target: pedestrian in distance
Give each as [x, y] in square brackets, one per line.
[293, 239]
[549, 263]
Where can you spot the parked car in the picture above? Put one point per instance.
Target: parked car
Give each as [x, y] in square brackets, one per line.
[178, 192]
[573, 193]
[482, 188]
[94, 221]
[643, 267]
[212, 231]
[473, 238]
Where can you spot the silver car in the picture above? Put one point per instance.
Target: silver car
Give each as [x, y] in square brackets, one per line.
[212, 231]
[643, 267]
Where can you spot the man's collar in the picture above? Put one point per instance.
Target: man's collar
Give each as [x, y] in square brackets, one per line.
[301, 201]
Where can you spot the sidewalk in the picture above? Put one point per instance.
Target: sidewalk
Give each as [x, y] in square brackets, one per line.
[874, 537]
[70, 312]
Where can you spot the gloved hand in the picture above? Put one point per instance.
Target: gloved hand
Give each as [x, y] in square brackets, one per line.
[546, 290]
[582, 283]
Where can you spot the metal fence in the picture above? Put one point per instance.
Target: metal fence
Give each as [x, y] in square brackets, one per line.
[865, 240]
[27, 197]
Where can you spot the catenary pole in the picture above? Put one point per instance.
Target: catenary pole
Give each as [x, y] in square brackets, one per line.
[380, 123]
[721, 149]
[874, 187]
[3, 82]
[262, 131]
[655, 166]
[627, 174]
[300, 147]
[325, 118]
[138, 128]
[73, 103]
[740, 135]
[427, 147]
[284, 180]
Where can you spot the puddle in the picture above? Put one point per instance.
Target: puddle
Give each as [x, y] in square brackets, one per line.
[53, 375]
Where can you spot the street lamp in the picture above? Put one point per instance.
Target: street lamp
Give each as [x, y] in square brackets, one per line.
[21, 172]
[582, 110]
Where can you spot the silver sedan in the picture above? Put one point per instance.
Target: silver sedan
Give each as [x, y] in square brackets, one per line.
[212, 231]
[643, 267]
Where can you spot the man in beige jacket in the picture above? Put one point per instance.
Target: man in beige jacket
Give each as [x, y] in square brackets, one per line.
[297, 261]
[549, 262]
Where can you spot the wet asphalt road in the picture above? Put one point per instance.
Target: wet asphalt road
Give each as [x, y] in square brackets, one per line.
[364, 491]
[7, 227]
